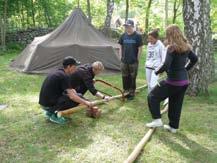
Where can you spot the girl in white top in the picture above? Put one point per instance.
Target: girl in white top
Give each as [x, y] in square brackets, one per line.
[155, 57]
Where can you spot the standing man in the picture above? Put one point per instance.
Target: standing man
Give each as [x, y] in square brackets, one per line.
[130, 50]
[56, 93]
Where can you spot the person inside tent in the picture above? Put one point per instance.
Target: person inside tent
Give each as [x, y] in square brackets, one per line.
[56, 93]
[82, 79]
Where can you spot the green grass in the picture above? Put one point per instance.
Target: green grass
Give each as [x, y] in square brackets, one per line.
[25, 135]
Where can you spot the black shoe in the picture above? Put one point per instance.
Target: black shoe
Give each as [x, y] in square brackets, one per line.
[130, 97]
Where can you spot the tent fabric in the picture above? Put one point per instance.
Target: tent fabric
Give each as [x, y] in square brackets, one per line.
[74, 37]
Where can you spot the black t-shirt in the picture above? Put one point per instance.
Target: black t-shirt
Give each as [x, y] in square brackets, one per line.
[83, 77]
[175, 65]
[130, 45]
[53, 87]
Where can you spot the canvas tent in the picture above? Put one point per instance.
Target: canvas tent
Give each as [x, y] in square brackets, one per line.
[75, 37]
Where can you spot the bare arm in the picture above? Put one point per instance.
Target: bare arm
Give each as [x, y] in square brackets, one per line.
[140, 51]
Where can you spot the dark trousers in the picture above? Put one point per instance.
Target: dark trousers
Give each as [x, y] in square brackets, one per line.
[176, 97]
[63, 103]
[129, 74]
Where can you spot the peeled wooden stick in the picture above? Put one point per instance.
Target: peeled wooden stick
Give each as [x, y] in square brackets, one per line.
[81, 107]
[143, 142]
[97, 102]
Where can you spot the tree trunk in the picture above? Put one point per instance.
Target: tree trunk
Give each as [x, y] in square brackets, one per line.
[127, 10]
[22, 15]
[198, 31]
[78, 3]
[147, 16]
[88, 11]
[19, 24]
[166, 13]
[176, 6]
[107, 24]
[3, 23]
[1, 30]
[33, 12]
[46, 13]
[27, 7]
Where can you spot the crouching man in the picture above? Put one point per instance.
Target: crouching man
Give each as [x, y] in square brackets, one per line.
[56, 93]
[83, 79]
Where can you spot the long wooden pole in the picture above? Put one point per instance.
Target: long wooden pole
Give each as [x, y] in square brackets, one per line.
[132, 157]
[97, 102]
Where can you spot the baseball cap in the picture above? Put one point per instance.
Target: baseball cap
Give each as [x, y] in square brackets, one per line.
[70, 61]
[129, 23]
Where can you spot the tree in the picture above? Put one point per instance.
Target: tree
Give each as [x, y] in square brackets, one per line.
[46, 7]
[1, 30]
[147, 16]
[110, 9]
[176, 6]
[198, 31]
[3, 23]
[33, 12]
[166, 14]
[78, 3]
[127, 10]
[88, 11]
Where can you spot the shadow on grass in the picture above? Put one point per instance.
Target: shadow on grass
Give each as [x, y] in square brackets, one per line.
[31, 135]
[188, 148]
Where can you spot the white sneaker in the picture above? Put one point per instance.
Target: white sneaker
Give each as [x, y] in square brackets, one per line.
[170, 129]
[155, 123]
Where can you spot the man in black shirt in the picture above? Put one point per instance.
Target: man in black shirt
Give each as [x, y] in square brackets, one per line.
[83, 79]
[130, 50]
[56, 93]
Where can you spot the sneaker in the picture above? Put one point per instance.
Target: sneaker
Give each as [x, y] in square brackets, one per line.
[166, 101]
[59, 120]
[155, 123]
[130, 97]
[170, 129]
[47, 114]
[126, 93]
[2, 107]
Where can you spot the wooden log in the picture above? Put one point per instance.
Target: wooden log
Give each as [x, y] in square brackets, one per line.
[97, 102]
[132, 157]
[81, 107]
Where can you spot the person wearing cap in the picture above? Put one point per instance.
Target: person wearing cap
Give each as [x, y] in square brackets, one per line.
[56, 93]
[130, 50]
[82, 79]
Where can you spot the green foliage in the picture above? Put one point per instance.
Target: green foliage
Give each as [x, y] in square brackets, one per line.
[213, 15]
[24, 14]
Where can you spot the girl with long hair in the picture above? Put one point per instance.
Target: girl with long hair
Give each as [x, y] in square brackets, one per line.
[179, 60]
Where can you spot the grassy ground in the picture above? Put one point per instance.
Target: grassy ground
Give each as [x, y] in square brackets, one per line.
[25, 135]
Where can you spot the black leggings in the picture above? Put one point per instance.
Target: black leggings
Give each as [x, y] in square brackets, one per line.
[175, 95]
